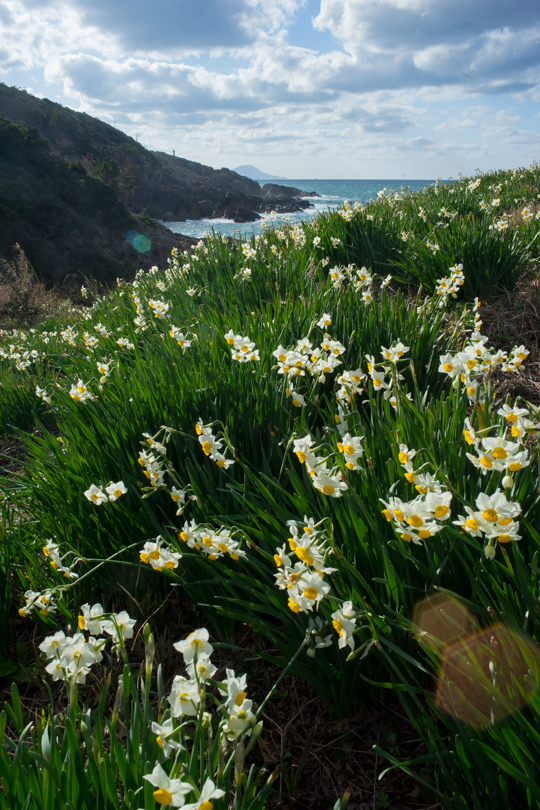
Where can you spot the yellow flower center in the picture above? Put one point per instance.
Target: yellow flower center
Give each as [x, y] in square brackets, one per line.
[514, 466]
[511, 417]
[402, 458]
[300, 456]
[410, 477]
[145, 558]
[183, 536]
[387, 514]
[485, 461]
[504, 538]
[80, 622]
[376, 383]
[471, 523]
[206, 805]
[198, 431]
[398, 514]
[440, 511]
[240, 698]
[448, 367]
[406, 537]
[328, 490]
[338, 627]
[499, 452]
[348, 449]
[159, 742]
[424, 534]
[294, 606]
[490, 515]
[415, 520]
[310, 593]
[220, 463]
[162, 796]
[471, 363]
[206, 446]
[154, 555]
[468, 437]
[222, 547]
[207, 542]
[169, 565]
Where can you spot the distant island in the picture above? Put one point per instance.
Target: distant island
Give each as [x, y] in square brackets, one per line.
[254, 173]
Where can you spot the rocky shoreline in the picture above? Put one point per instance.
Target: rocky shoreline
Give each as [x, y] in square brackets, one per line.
[241, 207]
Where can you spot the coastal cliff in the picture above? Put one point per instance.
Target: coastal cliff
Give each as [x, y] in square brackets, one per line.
[70, 225]
[163, 186]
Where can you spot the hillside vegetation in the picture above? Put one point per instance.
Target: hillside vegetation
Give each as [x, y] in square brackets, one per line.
[163, 186]
[70, 224]
[311, 436]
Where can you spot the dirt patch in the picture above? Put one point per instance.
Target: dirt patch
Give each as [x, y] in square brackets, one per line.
[12, 453]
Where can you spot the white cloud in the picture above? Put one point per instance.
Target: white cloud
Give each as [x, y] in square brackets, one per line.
[458, 124]
[204, 74]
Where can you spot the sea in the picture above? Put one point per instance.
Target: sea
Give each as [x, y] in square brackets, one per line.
[332, 194]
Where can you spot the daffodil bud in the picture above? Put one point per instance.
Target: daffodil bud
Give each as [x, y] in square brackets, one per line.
[257, 731]
[490, 551]
[507, 481]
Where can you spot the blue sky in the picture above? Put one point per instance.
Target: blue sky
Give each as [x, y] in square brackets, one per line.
[300, 88]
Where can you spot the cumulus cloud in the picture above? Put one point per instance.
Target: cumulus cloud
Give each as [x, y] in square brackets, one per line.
[187, 70]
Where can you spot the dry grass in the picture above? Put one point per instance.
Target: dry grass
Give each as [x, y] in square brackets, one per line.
[513, 319]
[24, 299]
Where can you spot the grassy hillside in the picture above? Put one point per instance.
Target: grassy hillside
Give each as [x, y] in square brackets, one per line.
[312, 436]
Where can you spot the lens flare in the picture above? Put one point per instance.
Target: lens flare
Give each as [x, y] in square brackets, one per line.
[141, 243]
[484, 675]
[487, 676]
[441, 620]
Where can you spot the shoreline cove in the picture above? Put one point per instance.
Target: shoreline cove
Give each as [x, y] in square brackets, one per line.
[331, 194]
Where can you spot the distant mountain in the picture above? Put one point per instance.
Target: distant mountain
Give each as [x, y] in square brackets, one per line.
[256, 174]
